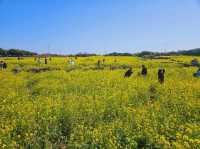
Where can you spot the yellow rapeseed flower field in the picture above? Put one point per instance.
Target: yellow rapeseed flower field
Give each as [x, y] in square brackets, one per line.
[93, 106]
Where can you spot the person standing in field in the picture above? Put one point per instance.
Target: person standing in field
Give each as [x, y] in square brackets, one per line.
[1, 65]
[161, 75]
[4, 65]
[45, 60]
[72, 62]
[128, 73]
[38, 61]
[144, 70]
[98, 63]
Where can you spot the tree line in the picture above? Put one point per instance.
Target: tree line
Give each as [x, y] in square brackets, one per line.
[15, 53]
[192, 52]
[24, 53]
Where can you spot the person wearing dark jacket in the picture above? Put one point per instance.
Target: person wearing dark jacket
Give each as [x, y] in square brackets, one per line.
[4, 65]
[144, 70]
[161, 75]
[45, 60]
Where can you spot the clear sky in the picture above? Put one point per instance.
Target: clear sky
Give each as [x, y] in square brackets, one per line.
[100, 26]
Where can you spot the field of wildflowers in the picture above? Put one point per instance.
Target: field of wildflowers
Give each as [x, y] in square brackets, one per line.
[89, 106]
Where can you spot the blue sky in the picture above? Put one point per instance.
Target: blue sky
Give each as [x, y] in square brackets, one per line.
[99, 26]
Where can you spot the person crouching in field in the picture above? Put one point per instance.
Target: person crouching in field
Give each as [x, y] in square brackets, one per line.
[71, 62]
[161, 75]
[197, 74]
[144, 71]
[128, 73]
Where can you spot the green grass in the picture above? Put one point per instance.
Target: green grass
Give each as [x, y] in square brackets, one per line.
[83, 106]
